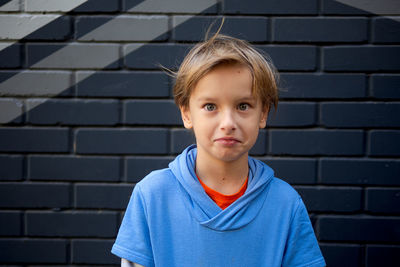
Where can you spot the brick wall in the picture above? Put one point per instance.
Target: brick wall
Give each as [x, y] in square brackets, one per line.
[85, 113]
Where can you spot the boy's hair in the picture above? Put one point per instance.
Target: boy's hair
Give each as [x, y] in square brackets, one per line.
[223, 49]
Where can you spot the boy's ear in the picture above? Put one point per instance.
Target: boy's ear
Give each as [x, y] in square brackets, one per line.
[264, 117]
[186, 118]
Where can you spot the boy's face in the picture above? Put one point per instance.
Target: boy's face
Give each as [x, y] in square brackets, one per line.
[224, 115]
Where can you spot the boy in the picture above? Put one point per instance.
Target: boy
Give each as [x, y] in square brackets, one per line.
[215, 205]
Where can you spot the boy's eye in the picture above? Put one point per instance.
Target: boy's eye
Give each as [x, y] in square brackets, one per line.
[243, 106]
[209, 107]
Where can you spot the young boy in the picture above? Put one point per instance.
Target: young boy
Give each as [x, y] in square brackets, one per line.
[215, 205]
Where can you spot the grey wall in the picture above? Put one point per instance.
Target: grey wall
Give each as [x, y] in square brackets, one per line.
[85, 113]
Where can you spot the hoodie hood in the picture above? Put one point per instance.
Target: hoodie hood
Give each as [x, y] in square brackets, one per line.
[203, 208]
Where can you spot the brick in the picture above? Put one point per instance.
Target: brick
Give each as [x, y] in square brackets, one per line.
[180, 139]
[358, 228]
[72, 224]
[260, 147]
[74, 6]
[10, 5]
[11, 110]
[122, 84]
[310, 85]
[10, 55]
[385, 86]
[74, 168]
[170, 6]
[286, 58]
[139, 167]
[331, 199]
[332, 7]
[360, 171]
[102, 196]
[34, 139]
[11, 223]
[273, 7]
[93, 252]
[33, 27]
[151, 112]
[34, 195]
[72, 112]
[383, 200]
[293, 114]
[386, 30]
[361, 58]
[294, 171]
[353, 114]
[151, 56]
[35, 83]
[73, 56]
[316, 142]
[335, 254]
[252, 29]
[383, 255]
[122, 141]
[14, 170]
[384, 143]
[130, 28]
[32, 251]
[348, 30]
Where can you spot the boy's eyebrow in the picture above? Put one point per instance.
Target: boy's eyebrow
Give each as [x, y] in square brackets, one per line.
[247, 98]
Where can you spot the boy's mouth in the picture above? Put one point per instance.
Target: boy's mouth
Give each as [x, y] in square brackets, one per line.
[227, 141]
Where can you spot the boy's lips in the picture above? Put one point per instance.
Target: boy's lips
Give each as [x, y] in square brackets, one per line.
[228, 141]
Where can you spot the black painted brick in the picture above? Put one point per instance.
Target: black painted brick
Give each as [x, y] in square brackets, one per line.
[316, 142]
[151, 112]
[384, 143]
[383, 200]
[294, 171]
[310, 85]
[360, 171]
[11, 223]
[10, 57]
[33, 251]
[361, 58]
[58, 29]
[98, 6]
[347, 30]
[71, 168]
[287, 58]
[386, 30]
[344, 255]
[72, 224]
[73, 112]
[93, 252]
[151, 56]
[101, 196]
[139, 167]
[171, 6]
[34, 195]
[270, 7]
[332, 199]
[358, 228]
[14, 170]
[122, 84]
[354, 114]
[122, 141]
[260, 147]
[34, 139]
[180, 139]
[11, 111]
[293, 114]
[252, 29]
[385, 86]
[333, 7]
[381, 255]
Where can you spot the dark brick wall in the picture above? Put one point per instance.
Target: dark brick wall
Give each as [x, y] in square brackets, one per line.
[86, 112]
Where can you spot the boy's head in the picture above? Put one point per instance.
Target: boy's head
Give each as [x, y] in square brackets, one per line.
[221, 50]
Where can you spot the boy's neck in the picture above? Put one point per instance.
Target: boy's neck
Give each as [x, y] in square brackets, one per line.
[221, 176]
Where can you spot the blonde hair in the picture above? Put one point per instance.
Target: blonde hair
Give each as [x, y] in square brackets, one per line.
[223, 49]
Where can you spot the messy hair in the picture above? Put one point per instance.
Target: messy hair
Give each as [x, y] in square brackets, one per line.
[222, 49]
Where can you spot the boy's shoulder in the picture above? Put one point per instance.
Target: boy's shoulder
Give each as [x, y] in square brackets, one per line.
[157, 181]
[283, 190]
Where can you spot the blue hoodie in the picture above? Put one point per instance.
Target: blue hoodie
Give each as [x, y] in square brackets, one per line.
[171, 221]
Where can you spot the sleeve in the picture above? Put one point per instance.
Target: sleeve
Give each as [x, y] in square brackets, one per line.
[302, 247]
[133, 240]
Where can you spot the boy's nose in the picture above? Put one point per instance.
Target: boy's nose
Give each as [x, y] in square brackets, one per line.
[228, 122]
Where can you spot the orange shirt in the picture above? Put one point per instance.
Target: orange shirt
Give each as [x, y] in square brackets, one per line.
[222, 200]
